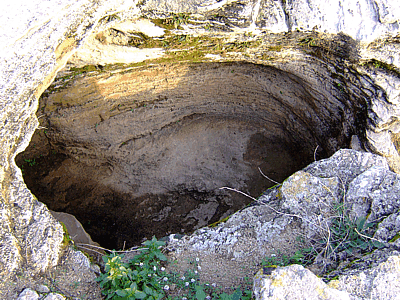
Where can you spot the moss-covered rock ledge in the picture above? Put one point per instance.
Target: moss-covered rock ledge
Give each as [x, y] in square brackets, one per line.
[345, 68]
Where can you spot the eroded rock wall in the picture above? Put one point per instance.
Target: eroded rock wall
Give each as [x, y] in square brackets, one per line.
[40, 36]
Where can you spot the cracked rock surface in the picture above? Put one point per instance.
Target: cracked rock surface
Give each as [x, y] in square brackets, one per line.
[348, 84]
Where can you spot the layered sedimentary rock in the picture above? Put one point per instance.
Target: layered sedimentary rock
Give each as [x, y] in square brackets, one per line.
[336, 86]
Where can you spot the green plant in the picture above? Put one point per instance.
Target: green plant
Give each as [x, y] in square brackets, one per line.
[350, 235]
[180, 18]
[139, 279]
[145, 277]
[31, 162]
[300, 257]
[66, 238]
[309, 42]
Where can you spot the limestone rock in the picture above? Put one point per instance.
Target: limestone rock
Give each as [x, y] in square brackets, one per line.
[362, 20]
[42, 289]
[28, 294]
[38, 38]
[54, 296]
[380, 282]
[75, 229]
[310, 198]
[389, 228]
[294, 282]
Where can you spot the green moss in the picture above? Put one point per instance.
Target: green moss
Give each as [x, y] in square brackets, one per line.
[381, 65]
[395, 238]
[66, 239]
[275, 48]
[172, 22]
[219, 222]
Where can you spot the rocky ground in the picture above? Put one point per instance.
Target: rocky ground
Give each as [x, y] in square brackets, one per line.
[156, 85]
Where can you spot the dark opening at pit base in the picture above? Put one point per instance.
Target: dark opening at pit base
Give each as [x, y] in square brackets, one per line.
[145, 152]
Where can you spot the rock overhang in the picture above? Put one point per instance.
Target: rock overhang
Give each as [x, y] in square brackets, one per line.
[23, 90]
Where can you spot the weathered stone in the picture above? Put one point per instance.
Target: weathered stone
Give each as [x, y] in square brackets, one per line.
[75, 229]
[389, 228]
[362, 20]
[294, 282]
[345, 165]
[39, 37]
[358, 192]
[312, 199]
[42, 289]
[28, 294]
[380, 282]
[54, 296]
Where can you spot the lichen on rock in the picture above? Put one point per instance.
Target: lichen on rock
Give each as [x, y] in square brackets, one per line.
[345, 72]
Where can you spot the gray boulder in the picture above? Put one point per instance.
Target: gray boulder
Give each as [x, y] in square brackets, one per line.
[38, 38]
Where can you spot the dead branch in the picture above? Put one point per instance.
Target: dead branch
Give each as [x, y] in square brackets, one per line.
[276, 182]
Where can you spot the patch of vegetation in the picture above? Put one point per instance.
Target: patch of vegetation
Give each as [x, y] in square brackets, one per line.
[145, 277]
[215, 224]
[110, 18]
[309, 42]
[275, 48]
[344, 238]
[340, 87]
[381, 65]
[31, 162]
[172, 22]
[300, 257]
[66, 239]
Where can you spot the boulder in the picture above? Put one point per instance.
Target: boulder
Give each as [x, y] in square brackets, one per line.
[39, 37]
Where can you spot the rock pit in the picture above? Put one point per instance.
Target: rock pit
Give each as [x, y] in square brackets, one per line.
[139, 152]
[347, 68]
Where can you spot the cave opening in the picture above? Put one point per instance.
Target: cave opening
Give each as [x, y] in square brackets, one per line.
[145, 151]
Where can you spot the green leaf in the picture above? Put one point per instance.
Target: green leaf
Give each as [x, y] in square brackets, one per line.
[121, 293]
[161, 256]
[237, 295]
[225, 296]
[200, 295]
[364, 246]
[140, 295]
[147, 290]
[360, 223]
[133, 286]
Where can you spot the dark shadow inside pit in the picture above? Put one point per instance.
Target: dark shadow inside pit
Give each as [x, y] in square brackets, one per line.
[145, 152]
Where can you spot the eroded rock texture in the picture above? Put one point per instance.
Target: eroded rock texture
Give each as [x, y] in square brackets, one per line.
[295, 90]
[169, 136]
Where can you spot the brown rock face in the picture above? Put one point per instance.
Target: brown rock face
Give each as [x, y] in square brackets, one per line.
[145, 151]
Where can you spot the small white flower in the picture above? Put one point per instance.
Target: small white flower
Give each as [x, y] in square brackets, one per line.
[141, 264]
[165, 279]
[149, 275]
[162, 269]
[197, 259]
[192, 280]
[195, 272]
[166, 287]
[198, 267]
[154, 268]
[208, 297]
[273, 255]
[214, 284]
[184, 298]
[183, 277]
[186, 283]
